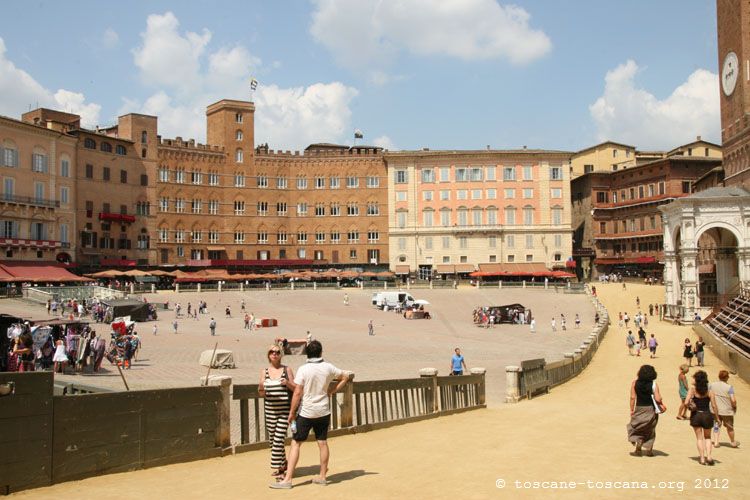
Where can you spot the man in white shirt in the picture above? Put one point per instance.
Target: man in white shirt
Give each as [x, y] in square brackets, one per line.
[313, 380]
[726, 403]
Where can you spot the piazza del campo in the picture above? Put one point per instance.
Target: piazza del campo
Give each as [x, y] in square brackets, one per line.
[180, 314]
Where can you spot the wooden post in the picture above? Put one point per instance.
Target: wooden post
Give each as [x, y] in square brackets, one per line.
[199, 288]
[511, 384]
[481, 389]
[347, 405]
[223, 437]
[432, 405]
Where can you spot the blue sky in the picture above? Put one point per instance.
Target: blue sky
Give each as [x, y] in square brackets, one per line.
[443, 74]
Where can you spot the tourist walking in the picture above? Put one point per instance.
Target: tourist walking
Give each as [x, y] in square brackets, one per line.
[630, 342]
[228, 312]
[645, 400]
[699, 352]
[703, 412]
[626, 318]
[346, 299]
[683, 391]
[275, 386]
[154, 329]
[458, 364]
[637, 301]
[175, 325]
[370, 328]
[177, 309]
[242, 305]
[60, 358]
[189, 309]
[312, 382]
[726, 403]
[578, 321]
[532, 325]
[652, 345]
[247, 321]
[687, 352]
[554, 325]
[212, 326]
[563, 322]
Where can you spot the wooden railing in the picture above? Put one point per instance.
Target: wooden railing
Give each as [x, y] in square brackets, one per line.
[369, 405]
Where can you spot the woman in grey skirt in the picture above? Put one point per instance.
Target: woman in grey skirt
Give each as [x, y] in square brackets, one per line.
[645, 398]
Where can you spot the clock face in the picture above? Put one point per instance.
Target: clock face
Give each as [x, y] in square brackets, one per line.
[729, 73]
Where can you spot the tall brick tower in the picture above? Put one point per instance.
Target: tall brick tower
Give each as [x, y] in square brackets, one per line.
[733, 19]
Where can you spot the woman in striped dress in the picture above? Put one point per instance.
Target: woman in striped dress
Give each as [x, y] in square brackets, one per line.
[276, 386]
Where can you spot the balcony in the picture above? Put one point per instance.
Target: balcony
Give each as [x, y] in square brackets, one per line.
[662, 198]
[26, 243]
[110, 217]
[29, 200]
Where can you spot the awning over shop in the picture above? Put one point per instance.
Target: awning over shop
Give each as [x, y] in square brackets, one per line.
[5, 275]
[402, 269]
[464, 268]
[611, 261]
[39, 273]
[445, 269]
[515, 269]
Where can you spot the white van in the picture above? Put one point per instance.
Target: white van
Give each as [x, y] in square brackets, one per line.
[391, 299]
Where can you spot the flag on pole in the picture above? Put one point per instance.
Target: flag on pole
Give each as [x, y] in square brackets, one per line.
[253, 84]
[358, 134]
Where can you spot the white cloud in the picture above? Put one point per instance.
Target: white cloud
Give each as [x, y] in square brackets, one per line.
[384, 142]
[110, 38]
[369, 33]
[166, 57]
[296, 117]
[189, 76]
[19, 90]
[626, 113]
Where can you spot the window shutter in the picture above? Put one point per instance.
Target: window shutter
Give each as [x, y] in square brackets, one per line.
[2, 155]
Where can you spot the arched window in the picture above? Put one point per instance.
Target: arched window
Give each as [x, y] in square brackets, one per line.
[106, 147]
[239, 135]
[239, 156]
[120, 150]
[89, 143]
[144, 137]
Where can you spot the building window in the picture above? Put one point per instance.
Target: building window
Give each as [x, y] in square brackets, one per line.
[510, 194]
[352, 236]
[196, 206]
[510, 241]
[179, 176]
[301, 208]
[105, 173]
[123, 176]
[462, 194]
[463, 242]
[446, 242]
[427, 195]
[587, 169]
[462, 216]
[352, 209]
[445, 217]
[476, 194]
[282, 238]
[335, 237]
[302, 238]
[64, 192]
[492, 216]
[528, 194]
[461, 175]
[352, 182]
[89, 143]
[238, 117]
[428, 175]
[401, 177]
[641, 192]
[490, 171]
[353, 254]
[401, 219]
[510, 216]
[163, 235]
[555, 173]
[509, 173]
[400, 195]
[179, 205]
[335, 182]
[106, 147]
[558, 241]
[511, 258]
[528, 216]
[239, 237]
[239, 156]
[262, 237]
[239, 180]
[262, 207]
[372, 209]
[302, 183]
[281, 208]
[428, 242]
[239, 135]
[476, 174]
[602, 228]
[120, 150]
[163, 204]
[320, 237]
[685, 186]
[320, 183]
[196, 236]
[445, 195]
[529, 241]
[282, 183]
[556, 193]
[557, 213]
[601, 197]
[213, 207]
[262, 181]
[492, 241]
[427, 218]
[335, 209]
[64, 168]
[320, 209]
[445, 174]
[476, 216]
[39, 163]
[528, 172]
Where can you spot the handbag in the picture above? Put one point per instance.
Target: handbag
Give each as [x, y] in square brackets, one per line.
[657, 406]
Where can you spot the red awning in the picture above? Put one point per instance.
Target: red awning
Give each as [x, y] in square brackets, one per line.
[117, 262]
[5, 276]
[40, 273]
[632, 260]
[116, 217]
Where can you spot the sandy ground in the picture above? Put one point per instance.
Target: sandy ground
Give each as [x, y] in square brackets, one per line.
[574, 434]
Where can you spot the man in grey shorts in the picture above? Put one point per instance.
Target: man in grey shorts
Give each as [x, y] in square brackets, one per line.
[726, 402]
[313, 380]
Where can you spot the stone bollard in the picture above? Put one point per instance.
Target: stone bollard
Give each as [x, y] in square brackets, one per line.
[153, 288]
[223, 438]
[219, 287]
[315, 285]
[431, 394]
[132, 288]
[242, 286]
[362, 285]
[199, 288]
[431, 285]
[291, 284]
[481, 389]
[385, 285]
[511, 384]
[177, 288]
[408, 284]
[524, 284]
[500, 284]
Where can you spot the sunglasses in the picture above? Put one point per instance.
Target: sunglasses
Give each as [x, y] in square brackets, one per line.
[274, 352]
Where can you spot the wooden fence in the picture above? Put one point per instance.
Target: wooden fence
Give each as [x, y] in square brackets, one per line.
[563, 370]
[370, 405]
[61, 438]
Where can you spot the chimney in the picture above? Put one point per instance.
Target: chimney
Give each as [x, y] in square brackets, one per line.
[488, 147]
[698, 138]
